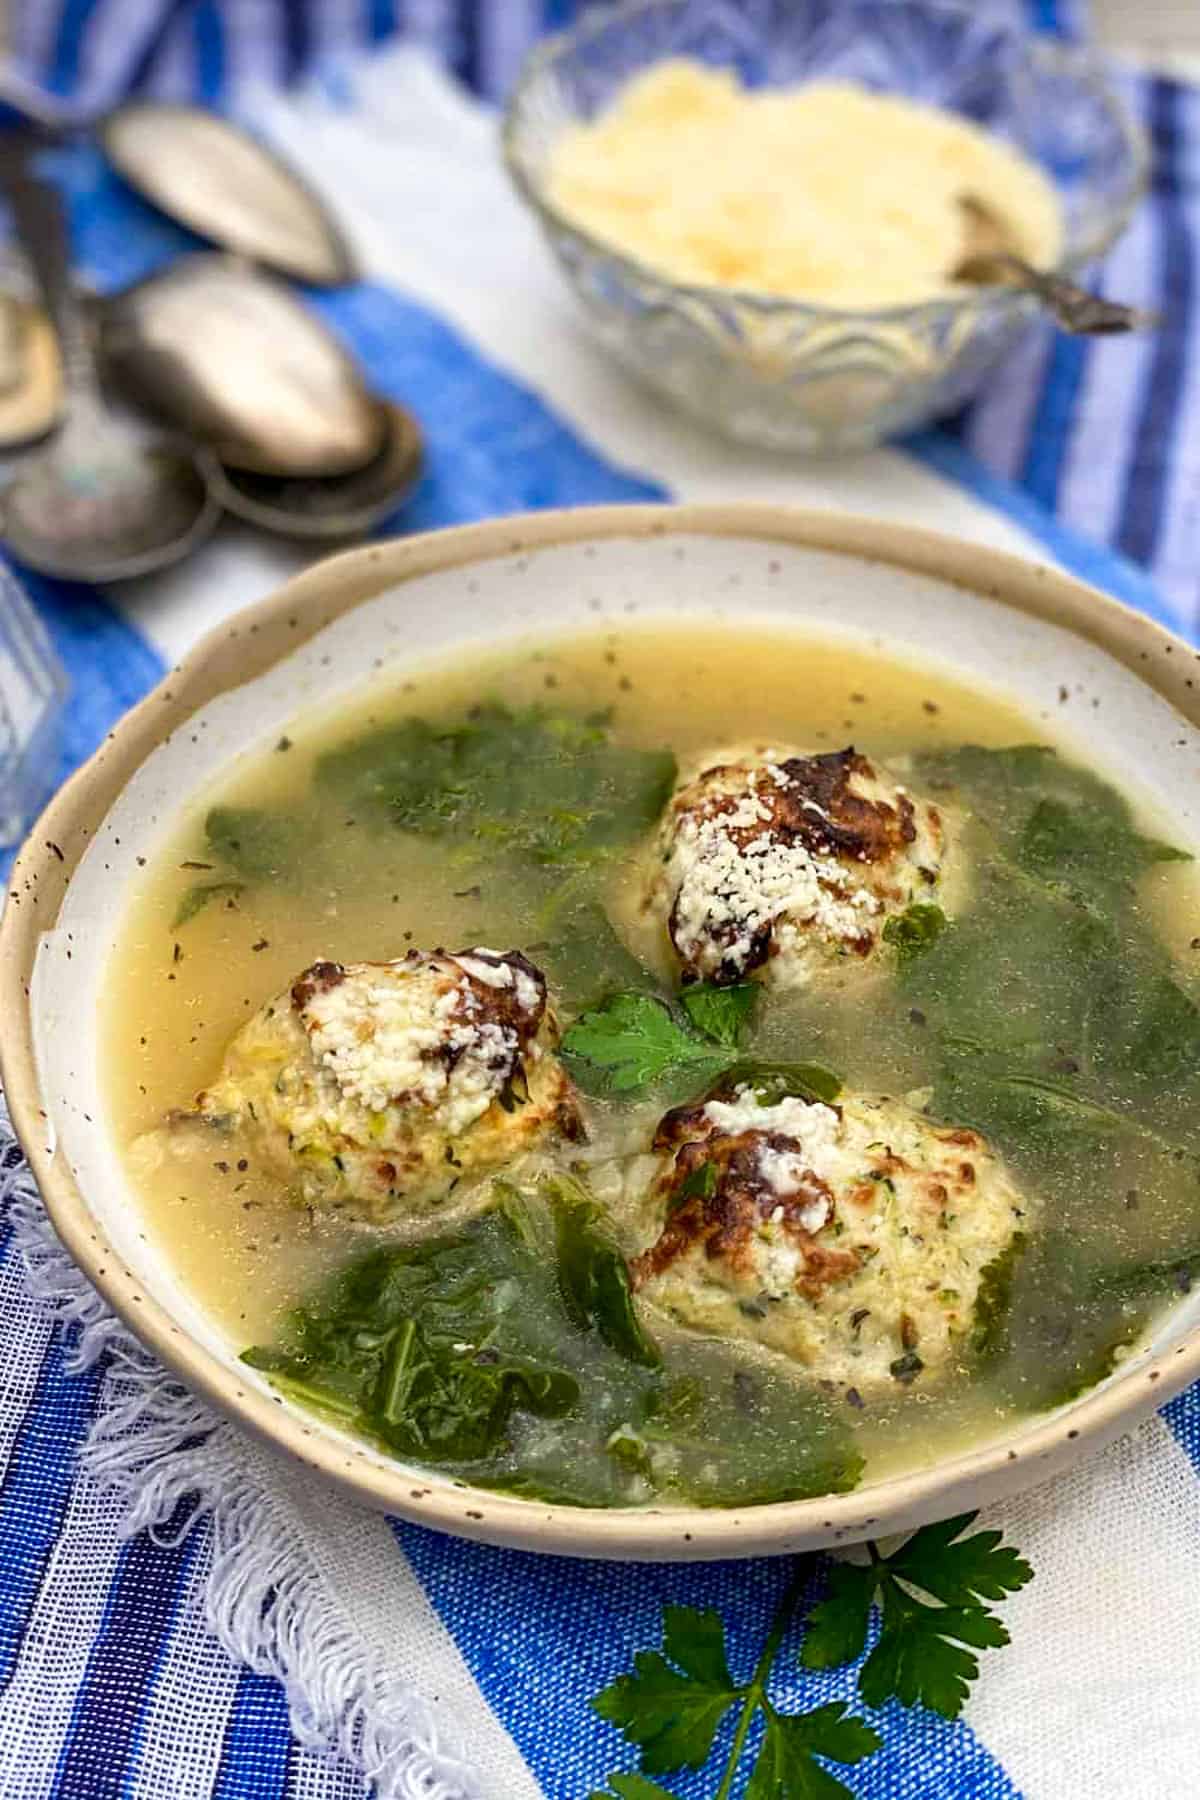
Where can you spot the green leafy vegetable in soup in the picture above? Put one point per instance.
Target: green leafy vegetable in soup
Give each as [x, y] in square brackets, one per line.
[533, 783]
[822, 1110]
[512, 1353]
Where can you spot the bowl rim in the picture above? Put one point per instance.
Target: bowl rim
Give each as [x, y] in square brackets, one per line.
[1091, 69]
[252, 641]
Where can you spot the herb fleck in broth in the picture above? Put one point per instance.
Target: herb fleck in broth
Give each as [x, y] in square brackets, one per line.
[1041, 1009]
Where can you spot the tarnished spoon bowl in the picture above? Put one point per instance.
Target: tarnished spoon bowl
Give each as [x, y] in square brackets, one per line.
[31, 390]
[102, 503]
[229, 356]
[228, 187]
[331, 508]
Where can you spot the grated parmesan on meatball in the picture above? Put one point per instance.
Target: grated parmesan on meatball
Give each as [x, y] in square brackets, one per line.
[384, 1087]
[775, 863]
[851, 1238]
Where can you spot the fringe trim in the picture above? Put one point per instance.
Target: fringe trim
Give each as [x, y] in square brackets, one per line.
[155, 1448]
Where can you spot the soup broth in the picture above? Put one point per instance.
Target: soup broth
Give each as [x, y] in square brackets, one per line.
[1048, 1006]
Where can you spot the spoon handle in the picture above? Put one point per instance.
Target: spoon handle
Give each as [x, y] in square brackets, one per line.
[41, 226]
[1073, 308]
[1081, 312]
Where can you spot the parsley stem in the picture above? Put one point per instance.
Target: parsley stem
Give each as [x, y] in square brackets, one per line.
[754, 1695]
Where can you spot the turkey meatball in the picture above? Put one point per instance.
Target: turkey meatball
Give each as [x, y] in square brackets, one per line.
[850, 1238]
[772, 863]
[385, 1087]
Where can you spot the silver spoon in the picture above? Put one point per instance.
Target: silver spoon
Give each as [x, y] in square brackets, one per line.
[211, 175]
[227, 354]
[205, 172]
[102, 500]
[31, 404]
[991, 260]
[331, 508]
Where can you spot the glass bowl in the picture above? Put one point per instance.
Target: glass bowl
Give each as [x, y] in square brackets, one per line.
[787, 373]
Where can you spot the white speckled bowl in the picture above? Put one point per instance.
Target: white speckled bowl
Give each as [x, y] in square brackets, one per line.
[1135, 707]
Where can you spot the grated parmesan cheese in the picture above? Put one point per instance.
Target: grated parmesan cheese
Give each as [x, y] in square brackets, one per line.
[724, 883]
[813, 1133]
[825, 192]
[378, 1033]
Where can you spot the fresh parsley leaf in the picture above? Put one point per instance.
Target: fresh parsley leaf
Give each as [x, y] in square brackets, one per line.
[920, 1658]
[931, 1593]
[787, 1769]
[695, 1641]
[675, 1701]
[672, 1704]
[957, 1570]
[720, 1013]
[916, 929]
[634, 1040]
[593, 1277]
[202, 894]
[837, 1627]
[634, 1787]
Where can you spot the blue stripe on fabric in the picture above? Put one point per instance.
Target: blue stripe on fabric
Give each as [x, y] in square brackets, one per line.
[556, 14]
[209, 36]
[297, 38]
[114, 233]
[555, 1631]
[10, 1161]
[1079, 555]
[256, 1751]
[1053, 420]
[466, 50]
[37, 1486]
[191, 1545]
[381, 20]
[96, 1759]
[6, 1226]
[144, 67]
[1182, 1414]
[68, 44]
[1046, 16]
[1141, 520]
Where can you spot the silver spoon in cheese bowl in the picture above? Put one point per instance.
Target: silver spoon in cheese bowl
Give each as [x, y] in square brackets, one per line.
[991, 259]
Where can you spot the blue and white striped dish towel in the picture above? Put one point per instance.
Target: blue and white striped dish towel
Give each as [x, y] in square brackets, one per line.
[267, 1638]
